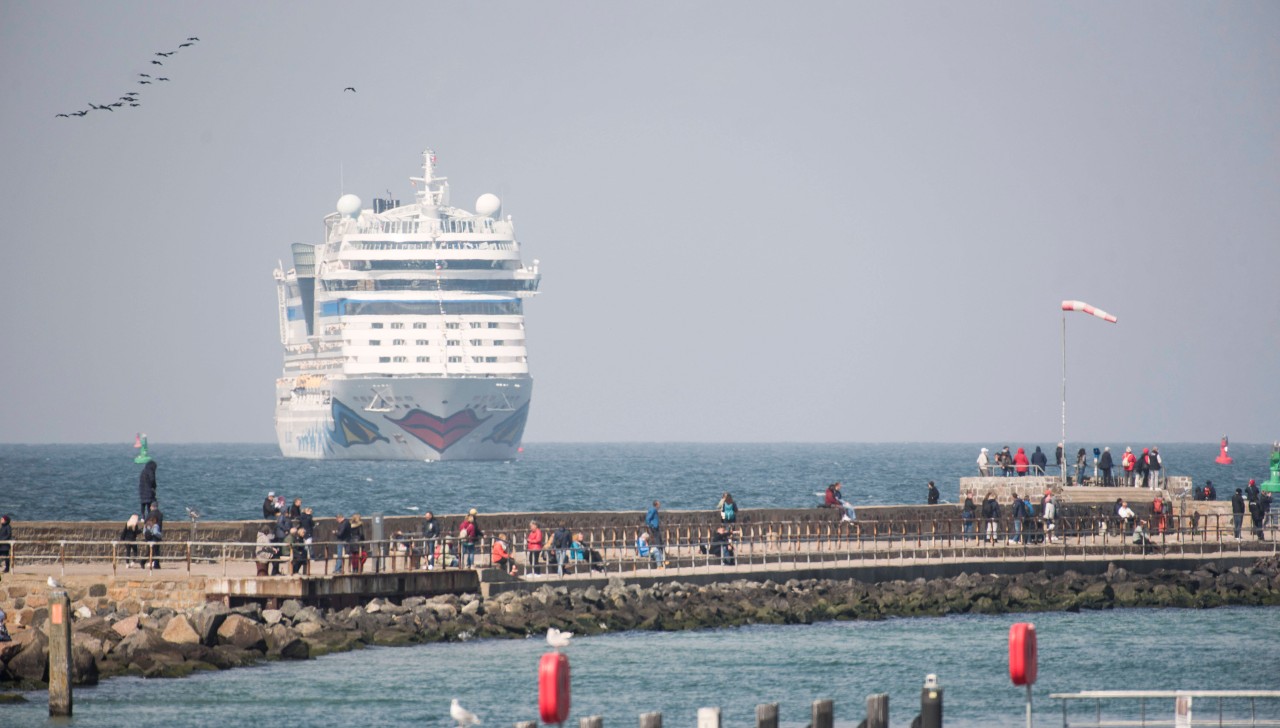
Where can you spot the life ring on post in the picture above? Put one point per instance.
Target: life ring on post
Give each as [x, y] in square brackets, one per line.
[553, 687]
[1022, 653]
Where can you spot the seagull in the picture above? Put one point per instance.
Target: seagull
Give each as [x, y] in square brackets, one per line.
[156, 63]
[79, 113]
[352, 89]
[558, 639]
[145, 75]
[161, 78]
[193, 38]
[460, 714]
[117, 104]
[184, 45]
[135, 104]
[54, 583]
[144, 82]
[166, 55]
[67, 116]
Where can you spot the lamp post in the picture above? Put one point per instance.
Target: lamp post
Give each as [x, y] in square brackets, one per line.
[1086, 308]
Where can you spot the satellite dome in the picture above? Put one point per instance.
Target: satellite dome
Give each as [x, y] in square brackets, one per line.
[488, 204]
[349, 205]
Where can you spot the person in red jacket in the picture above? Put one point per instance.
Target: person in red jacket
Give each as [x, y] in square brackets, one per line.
[533, 547]
[1020, 462]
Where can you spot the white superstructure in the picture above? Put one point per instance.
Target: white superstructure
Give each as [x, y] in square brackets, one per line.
[403, 332]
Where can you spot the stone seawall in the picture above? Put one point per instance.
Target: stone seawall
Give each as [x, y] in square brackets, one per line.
[164, 641]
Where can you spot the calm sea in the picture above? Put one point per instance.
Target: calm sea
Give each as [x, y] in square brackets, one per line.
[622, 675]
[227, 482]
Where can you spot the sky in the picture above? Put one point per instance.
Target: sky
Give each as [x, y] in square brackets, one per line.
[756, 221]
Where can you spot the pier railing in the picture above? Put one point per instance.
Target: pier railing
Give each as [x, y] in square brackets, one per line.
[604, 550]
[1171, 708]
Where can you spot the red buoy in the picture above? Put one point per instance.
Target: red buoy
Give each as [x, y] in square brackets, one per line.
[1022, 653]
[1223, 458]
[553, 688]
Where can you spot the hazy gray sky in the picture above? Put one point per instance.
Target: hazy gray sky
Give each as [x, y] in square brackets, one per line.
[757, 221]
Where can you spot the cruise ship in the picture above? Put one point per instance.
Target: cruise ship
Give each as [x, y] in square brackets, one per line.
[403, 332]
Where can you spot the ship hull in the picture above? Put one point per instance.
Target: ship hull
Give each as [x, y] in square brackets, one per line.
[382, 418]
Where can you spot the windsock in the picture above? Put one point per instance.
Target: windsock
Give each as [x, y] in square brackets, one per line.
[1086, 308]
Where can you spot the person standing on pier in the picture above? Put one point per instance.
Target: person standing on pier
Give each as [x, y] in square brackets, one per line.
[467, 537]
[269, 506]
[533, 543]
[429, 533]
[932, 497]
[1253, 496]
[355, 544]
[561, 541]
[1038, 461]
[1237, 511]
[1129, 464]
[1019, 515]
[1144, 467]
[1020, 462]
[967, 514]
[1155, 465]
[1057, 457]
[984, 464]
[991, 514]
[728, 509]
[1105, 464]
[147, 487]
[6, 535]
[129, 536]
[1050, 510]
[1005, 460]
[1081, 461]
[341, 534]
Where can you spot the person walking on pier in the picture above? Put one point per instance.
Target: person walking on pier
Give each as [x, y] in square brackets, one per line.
[147, 487]
[932, 497]
[1105, 464]
[1237, 511]
[341, 535]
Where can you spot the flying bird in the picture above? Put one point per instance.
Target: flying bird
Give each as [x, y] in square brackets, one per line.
[352, 89]
[156, 63]
[193, 38]
[144, 82]
[558, 639]
[106, 108]
[135, 104]
[145, 75]
[166, 55]
[162, 78]
[54, 583]
[184, 45]
[66, 116]
[79, 113]
[461, 715]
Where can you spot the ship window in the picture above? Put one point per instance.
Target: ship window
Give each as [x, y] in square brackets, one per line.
[420, 325]
[499, 342]
[399, 359]
[384, 360]
[398, 342]
[375, 342]
[475, 324]
[424, 359]
[477, 359]
[455, 359]
[493, 324]
[423, 342]
[397, 325]
[477, 342]
[376, 325]
[491, 359]
[453, 342]
[451, 326]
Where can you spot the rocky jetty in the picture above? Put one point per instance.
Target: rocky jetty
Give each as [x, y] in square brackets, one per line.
[163, 642]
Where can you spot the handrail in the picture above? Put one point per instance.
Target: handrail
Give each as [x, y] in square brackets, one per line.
[613, 548]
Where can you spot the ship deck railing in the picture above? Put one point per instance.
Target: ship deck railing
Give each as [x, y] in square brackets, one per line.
[1171, 708]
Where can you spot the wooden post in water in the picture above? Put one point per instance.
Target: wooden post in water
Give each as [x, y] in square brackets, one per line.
[59, 653]
[526, 724]
[651, 720]
[591, 721]
[823, 714]
[767, 715]
[878, 710]
[708, 718]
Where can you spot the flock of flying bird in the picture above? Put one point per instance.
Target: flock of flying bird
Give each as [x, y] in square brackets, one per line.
[131, 98]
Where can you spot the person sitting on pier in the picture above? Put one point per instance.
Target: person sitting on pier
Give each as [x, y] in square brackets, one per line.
[722, 546]
[647, 547]
[500, 555]
[153, 532]
[1140, 537]
[835, 499]
[1126, 515]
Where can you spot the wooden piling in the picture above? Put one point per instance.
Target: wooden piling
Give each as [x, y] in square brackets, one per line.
[823, 714]
[591, 721]
[59, 653]
[878, 710]
[651, 720]
[708, 718]
[767, 715]
[526, 724]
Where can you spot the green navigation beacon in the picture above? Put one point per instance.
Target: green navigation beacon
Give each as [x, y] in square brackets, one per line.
[1273, 485]
[140, 442]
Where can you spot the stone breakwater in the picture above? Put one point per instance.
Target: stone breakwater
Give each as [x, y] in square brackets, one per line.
[164, 642]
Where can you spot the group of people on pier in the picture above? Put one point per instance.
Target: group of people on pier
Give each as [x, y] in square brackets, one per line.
[1138, 471]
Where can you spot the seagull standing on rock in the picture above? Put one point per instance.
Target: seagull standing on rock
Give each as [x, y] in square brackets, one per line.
[462, 716]
[54, 583]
